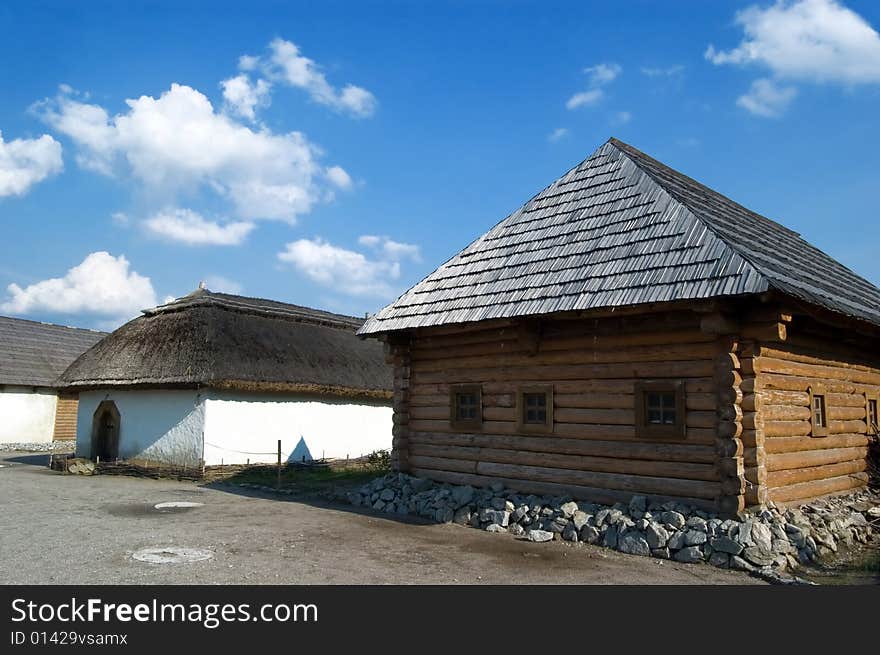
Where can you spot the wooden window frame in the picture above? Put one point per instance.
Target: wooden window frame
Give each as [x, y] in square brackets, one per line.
[818, 430]
[465, 424]
[677, 431]
[534, 428]
[869, 397]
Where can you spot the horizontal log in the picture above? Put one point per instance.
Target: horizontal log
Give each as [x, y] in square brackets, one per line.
[772, 365]
[684, 470]
[807, 490]
[805, 458]
[682, 369]
[593, 494]
[442, 464]
[775, 397]
[596, 416]
[826, 358]
[844, 427]
[785, 413]
[586, 386]
[794, 444]
[753, 438]
[774, 331]
[631, 483]
[787, 428]
[803, 383]
[545, 444]
[795, 476]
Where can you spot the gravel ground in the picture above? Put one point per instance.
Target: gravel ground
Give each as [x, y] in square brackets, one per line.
[57, 529]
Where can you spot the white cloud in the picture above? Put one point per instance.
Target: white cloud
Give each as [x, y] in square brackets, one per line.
[558, 134]
[286, 64]
[602, 74]
[120, 218]
[338, 177]
[191, 228]
[343, 270]
[621, 118]
[243, 97]
[26, 162]
[178, 144]
[584, 98]
[766, 98]
[669, 71]
[222, 284]
[248, 62]
[102, 284]
[393, 250]
[807, 40]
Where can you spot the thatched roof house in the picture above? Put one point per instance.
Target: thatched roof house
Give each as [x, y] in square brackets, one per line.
[661, 338]
[245, 372]
[32, 356]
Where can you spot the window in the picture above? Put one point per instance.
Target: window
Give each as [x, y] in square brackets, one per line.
[818, 411]
[871, 414]
[466, 406]
[660, 409]
[535, 409]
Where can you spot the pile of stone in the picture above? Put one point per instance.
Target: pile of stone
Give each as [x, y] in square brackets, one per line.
[770, 540]
[47, 447]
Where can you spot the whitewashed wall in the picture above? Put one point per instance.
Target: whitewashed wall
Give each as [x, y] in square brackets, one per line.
[156, 425]
[241, 427]
[27, 416]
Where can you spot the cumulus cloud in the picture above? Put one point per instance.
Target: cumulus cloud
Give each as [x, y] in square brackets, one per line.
[813, 41]
[178, 143]
[767, 98]
[102, 285]
[599, 76]
[338, 177]
[393, 250]
[668, 71]
[243, 97]
[26, 162]
[343, 270]
[286, 64]
[558, 134]
[191, 228]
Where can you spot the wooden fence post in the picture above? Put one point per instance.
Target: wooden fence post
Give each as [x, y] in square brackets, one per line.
[278, 477]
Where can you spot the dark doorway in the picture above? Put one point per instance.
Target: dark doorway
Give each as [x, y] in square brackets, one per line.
[105, 432]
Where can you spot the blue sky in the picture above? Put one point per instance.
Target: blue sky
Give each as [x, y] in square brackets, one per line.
[357, 146]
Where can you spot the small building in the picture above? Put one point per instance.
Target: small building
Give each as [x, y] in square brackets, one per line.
[212, 378]
[32, 356]
[631, 331]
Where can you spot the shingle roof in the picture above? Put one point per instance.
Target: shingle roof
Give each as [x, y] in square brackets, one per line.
[34, 354]
[233, 342]
[622, 229]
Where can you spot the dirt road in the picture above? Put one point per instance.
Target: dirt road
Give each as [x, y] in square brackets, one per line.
[58, 528]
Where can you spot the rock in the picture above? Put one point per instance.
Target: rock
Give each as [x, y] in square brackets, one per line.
[762, 536]
[444, 515]
[497, 487]
[462, 516]
[873, 512]
[781, 546]
[689, 555]
[638, 503]
[632, 543]
[662, 553]
[568, 509]
[386, 495]
[579, 519]
[656, 535]
[570, 533]
[516, 529]
[758, 556]
[589, 534]
[610, 540]
[379, 505]
[797, 535]
[673, 519]
[463, 495]
[540, 536]
[519, 513]
[740, 564]
[420, 484]
[676, 541]
[696, 523]
[499, 504]
[694, 537]
[602, 517]
[494, 527]
[721, 560]
[642, 524]
[725, 544]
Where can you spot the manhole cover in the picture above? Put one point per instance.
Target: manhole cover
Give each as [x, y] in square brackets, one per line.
[178, 504]
[171, 555]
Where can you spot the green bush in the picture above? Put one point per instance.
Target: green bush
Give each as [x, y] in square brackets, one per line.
[380, 459]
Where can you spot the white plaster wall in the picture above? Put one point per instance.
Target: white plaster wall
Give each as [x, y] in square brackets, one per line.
[27, 416]
[242, 427]
[156, 425]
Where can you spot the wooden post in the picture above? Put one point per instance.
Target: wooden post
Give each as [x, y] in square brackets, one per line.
[278, 476]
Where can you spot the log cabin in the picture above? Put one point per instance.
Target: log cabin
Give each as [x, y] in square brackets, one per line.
[630, 331]
[213, 379]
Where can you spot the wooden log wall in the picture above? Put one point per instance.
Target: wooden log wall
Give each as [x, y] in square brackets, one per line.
[594, 450]
[782, 456]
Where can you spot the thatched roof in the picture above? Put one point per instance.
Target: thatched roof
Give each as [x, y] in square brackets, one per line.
[34, 354]
[223, 341]
[622, 229]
